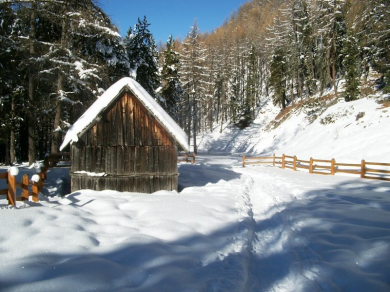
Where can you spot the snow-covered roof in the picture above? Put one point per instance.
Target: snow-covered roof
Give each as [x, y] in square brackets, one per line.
[88, 119]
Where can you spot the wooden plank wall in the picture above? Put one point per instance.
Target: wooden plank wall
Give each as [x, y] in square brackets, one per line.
[125, 160]
[141, 184]
[127, 123]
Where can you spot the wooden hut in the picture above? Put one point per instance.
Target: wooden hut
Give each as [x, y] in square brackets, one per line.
[126, 142]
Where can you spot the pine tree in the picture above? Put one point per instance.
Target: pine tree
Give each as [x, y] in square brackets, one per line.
[82, 55]
[192, 60]
[278, 43]
[9, 54]
[61, 53]
[252, 85]
[143, 56]
[378, 12]
[278, 78]
[172, 91]
[351, 63]
[332, 30]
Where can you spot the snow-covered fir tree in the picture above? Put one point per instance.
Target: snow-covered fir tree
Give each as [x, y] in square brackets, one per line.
[351, 65]
[191, 76]
[171, 90]
[377, 17]
[65, 54]
[143, 56]
[82, 58]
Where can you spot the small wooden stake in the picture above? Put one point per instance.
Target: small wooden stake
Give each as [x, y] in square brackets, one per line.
[243, 160]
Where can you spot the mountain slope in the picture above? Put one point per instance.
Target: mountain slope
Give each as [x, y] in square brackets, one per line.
[319, 128]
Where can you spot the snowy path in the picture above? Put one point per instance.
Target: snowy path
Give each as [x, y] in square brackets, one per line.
[309, 232]
[316, 233]
[229, 229]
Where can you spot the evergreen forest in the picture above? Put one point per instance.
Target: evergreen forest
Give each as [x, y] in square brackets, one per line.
[57, 57]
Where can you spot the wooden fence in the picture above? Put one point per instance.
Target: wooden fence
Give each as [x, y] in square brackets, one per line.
[31, 187]
[25, 185]
[56, 160]
[186, 158]
[368, 170]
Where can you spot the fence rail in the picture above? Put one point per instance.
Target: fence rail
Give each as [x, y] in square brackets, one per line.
[186, 158]
[55, 159]
[323, 166]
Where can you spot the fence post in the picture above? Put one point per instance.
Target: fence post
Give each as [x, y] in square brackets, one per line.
[243, 160]
[25, 187]
[11, 189]
[35, 191]
[332, 166]
[43, 172]
[283, 158]
[295, 163]
[193, 158]
[363, 169]
[311, 165]
[41, 181]
[273, 161]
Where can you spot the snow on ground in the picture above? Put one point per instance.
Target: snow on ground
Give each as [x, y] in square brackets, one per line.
[228, 229]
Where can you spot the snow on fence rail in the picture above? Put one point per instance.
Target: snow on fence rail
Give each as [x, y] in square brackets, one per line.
[57, 160]
[368, 170]
[186, 158]
[35, 184]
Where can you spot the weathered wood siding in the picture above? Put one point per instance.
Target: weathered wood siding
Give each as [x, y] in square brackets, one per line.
[130, 147]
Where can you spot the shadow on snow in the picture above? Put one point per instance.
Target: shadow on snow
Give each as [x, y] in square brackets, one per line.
[335, 239]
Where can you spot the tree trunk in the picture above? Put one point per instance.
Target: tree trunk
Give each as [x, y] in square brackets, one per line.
[7, 159]
[12, 134]
[292, 92]
[284, 100]
[55, 144]
[31, 87]
[222, 116]
[195, 115]
[210, 109]
[189, 120]
[334, 64]
[57, 137]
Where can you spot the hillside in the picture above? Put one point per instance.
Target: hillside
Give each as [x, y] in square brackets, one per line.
[322, 127]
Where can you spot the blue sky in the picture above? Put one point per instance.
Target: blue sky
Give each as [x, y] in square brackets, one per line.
[170, 16]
